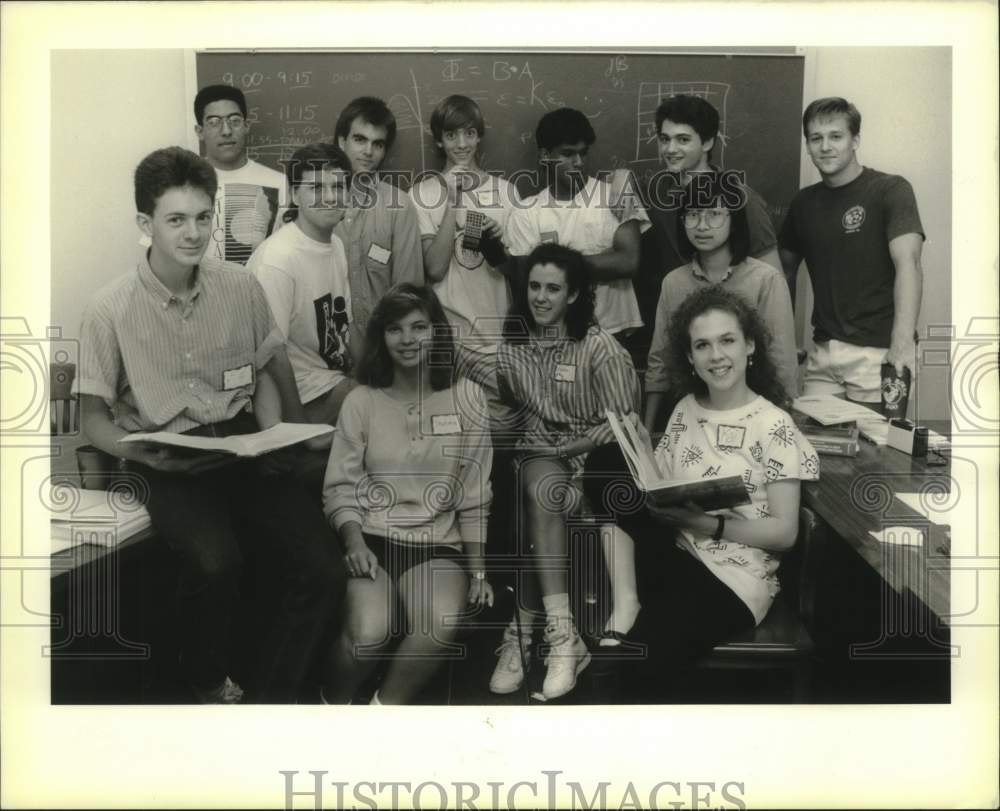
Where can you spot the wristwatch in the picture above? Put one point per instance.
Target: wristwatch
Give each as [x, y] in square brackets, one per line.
[479, 574]
[717, 535]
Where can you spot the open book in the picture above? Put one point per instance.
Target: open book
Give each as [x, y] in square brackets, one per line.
[277, 436]
[709, 494]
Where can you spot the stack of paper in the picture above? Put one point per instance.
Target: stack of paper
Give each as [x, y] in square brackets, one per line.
[96, 519]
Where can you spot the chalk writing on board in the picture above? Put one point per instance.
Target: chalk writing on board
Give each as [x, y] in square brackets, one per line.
[650, 96]
[617, 66]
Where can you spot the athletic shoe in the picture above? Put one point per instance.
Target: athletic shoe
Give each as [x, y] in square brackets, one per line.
[567, 656]
[509, 673]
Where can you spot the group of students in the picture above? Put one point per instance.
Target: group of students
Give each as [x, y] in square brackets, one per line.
[436, 326]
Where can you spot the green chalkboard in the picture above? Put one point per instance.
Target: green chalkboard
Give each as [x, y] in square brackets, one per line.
[294, 98]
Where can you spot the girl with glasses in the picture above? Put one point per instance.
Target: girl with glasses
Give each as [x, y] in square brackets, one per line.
[713, 234]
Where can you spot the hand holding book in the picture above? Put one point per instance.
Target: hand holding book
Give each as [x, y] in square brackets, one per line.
[708, 494]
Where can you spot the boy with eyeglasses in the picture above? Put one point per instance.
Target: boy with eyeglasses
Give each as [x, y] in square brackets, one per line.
[251, 196]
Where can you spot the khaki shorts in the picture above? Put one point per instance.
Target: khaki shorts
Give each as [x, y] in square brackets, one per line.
[835, 367]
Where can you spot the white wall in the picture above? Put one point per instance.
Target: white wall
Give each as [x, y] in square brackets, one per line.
[111, 108]
[905, 98]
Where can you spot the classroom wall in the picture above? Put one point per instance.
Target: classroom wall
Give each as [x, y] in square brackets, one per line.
[110, 108]
[905, 98]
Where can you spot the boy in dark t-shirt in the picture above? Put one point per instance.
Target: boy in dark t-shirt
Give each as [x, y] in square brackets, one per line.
[860, 234]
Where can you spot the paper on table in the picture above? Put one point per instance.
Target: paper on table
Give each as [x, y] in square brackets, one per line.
[914, 502]
[900, 536]
[829, 410]
[94, 518]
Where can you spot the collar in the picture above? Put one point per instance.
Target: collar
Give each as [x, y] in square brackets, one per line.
[696, 269]
[158, 290]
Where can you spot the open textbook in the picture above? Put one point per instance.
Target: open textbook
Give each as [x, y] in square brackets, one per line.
[277, 436]
[709, 494]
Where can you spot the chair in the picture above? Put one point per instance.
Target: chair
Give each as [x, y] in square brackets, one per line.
[782, 641]
[64, 408]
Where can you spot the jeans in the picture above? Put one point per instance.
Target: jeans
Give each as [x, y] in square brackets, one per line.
[208, 521]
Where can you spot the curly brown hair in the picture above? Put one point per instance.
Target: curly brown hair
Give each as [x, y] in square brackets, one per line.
[762, 376]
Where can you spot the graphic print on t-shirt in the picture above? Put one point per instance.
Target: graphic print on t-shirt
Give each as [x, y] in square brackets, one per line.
[250, 212]
[852, 219]
[332, 331]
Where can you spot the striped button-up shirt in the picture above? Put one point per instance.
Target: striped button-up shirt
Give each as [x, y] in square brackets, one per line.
[161, 362]
[558, 390]
[382, 239]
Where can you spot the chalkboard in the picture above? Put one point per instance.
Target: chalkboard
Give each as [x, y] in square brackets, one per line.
[294, 98]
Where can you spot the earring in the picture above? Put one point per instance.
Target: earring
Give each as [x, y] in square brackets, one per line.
[750, 359]
[693, 373]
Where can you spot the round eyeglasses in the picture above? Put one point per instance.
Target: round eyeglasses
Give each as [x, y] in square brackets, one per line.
[712, 217]
[236, 121]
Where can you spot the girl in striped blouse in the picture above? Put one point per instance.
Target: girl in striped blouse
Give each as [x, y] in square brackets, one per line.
[558, 372]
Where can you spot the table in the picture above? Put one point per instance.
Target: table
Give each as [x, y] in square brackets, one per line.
[854, 496]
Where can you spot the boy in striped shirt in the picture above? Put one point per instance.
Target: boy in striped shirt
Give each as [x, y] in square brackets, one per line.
[176, 346]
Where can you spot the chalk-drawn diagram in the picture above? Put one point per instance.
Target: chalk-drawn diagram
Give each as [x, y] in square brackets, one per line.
[650, 96]
[407, 113]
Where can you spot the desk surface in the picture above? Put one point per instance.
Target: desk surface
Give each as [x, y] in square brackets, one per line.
[855, 496]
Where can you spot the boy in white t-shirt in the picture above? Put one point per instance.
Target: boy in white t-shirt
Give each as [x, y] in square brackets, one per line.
[603, 219]
[303, 270]
[251, 196]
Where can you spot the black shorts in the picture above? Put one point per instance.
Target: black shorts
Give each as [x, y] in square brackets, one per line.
[398, 558]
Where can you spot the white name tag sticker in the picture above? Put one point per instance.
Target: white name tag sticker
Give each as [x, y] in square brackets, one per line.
[565, 373]
[379, 254]
[237, 378]
[445, 424]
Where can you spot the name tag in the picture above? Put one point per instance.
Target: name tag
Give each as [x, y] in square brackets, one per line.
[237, 378]
[730, 436]
[379, 254]
[549, 237]
[445, 424]
[565, 373]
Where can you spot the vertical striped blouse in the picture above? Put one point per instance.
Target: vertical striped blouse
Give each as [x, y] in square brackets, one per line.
[557, 391]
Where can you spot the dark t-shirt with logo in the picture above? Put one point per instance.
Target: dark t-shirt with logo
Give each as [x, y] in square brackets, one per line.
[843, 234]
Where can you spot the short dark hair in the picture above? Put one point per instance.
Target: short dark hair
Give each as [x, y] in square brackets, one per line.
[579, 316]
[762, 377]
[217, 92]
[171, 168]
[312, 158]
[715, 190]
[375, 368]
[371, 109]
[563, 126]
[695, 112]
[456, 112]
[828, 107]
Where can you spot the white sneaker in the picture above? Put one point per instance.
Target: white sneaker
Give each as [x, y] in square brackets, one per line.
[509, 673]
[566, 658]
